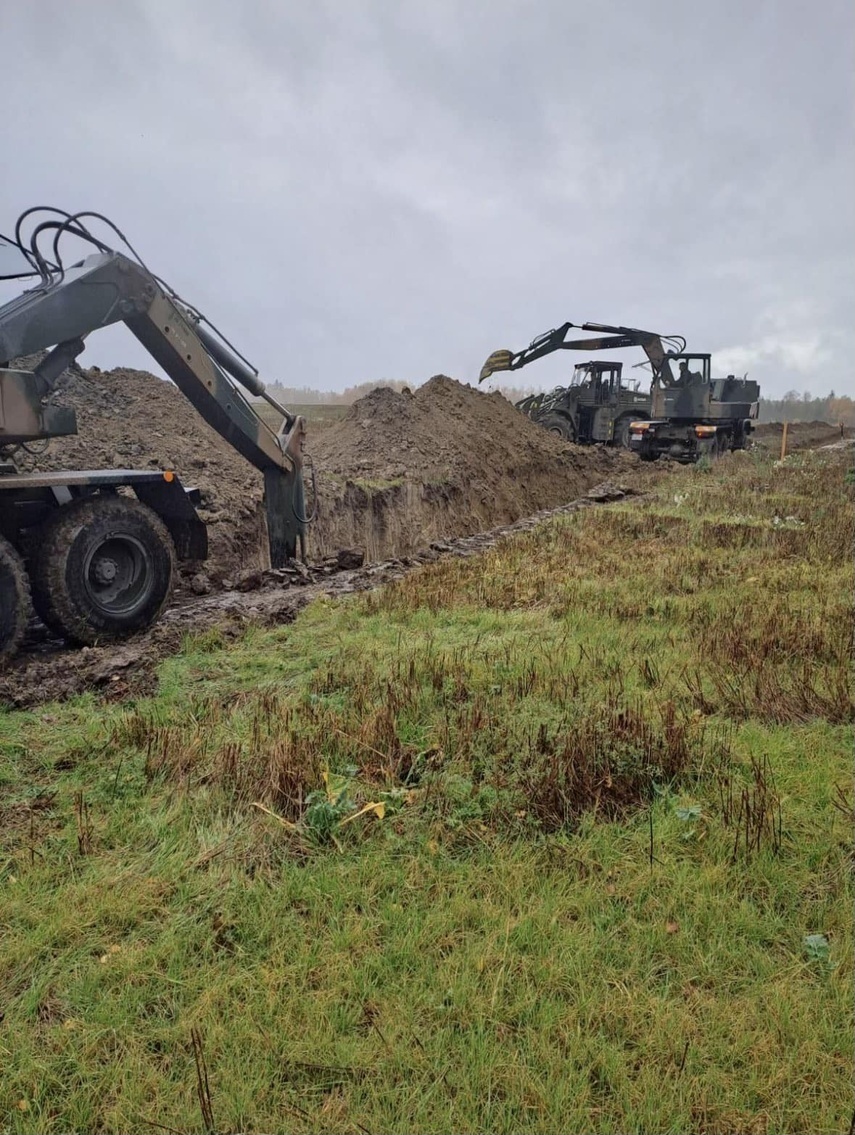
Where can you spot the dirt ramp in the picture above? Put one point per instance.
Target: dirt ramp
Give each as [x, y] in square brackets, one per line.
[402, 469]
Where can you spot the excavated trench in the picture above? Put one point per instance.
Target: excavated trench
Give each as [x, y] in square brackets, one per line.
[401, 479]
[47, 670]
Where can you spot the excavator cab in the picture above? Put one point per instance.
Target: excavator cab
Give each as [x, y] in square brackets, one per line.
[691, 370]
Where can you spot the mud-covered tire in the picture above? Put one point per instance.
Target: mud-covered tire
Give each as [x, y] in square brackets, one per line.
[722, 444]
[103, 569]
[559, 426]
[15, 605]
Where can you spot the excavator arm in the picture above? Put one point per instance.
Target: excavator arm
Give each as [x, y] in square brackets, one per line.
[108, 287]
[612, 338]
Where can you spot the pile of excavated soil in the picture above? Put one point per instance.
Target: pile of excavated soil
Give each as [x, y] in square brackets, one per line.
[397, 472]
[402, 469]
[129, 419]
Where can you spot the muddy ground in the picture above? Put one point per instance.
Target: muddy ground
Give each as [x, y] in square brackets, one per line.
[47, 670]
[800, 435]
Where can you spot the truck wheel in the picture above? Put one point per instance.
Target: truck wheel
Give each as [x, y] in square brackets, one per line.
[14, 600]
[104, 569]
[559, 426]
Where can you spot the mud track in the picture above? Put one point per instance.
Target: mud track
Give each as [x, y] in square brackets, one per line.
[47, 670]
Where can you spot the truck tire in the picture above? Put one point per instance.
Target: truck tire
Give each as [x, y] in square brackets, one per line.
[561, 427]
[14, 600]
[104, 569]
[621, 430]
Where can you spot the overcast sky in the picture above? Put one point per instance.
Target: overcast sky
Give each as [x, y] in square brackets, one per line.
[360, 189]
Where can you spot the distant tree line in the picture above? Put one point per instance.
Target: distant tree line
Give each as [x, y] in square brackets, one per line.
[796, 407]
[308, 396]
[793, 407]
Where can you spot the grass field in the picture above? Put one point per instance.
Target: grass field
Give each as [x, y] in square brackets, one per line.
[319, 416]
[555, 839]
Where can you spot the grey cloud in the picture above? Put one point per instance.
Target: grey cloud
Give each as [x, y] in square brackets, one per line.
[360, 190]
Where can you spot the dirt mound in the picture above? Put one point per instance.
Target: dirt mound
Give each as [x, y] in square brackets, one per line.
[398, 471]
[446, 459]
[131, 419]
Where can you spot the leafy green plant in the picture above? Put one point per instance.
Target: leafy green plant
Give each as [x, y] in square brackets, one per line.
[817, 948]
[326, 807]
[690, 812]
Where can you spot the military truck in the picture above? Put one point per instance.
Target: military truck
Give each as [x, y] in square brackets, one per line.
[94, 551]
[597, 406]
[696, 415]
[690, 414]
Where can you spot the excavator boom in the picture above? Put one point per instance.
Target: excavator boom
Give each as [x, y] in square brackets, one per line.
[612, 338]
[95, 551]
[108, 288]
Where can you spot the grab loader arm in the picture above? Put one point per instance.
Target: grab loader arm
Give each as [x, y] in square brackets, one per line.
[107, 288]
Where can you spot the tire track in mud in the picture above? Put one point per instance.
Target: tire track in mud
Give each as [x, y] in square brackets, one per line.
[48, 670]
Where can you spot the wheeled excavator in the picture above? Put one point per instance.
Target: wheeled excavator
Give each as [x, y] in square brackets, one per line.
[687, 414]
[94, 551]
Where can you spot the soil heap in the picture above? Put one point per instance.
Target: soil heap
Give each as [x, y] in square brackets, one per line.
[800, 435]
[399, 471]
[408, 468]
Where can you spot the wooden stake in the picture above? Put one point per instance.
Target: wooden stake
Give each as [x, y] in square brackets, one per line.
[784, 441]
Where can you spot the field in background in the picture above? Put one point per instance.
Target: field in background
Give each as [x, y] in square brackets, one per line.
[318, 417]
[793, 407]
[558, 838]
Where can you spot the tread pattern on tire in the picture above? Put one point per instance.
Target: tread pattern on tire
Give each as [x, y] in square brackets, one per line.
[556, 424]
[53, 603]
[15, 616]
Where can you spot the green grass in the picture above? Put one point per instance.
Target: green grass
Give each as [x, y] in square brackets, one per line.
[613, 759]
[319, 416]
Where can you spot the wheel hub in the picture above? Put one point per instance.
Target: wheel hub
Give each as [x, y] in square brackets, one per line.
[105, 570]
[118, 574]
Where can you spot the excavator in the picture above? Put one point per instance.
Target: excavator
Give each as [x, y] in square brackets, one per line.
[688, 415]
[95, 551]
[598, 405]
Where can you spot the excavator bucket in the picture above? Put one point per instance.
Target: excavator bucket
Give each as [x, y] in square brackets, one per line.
[499, 360]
